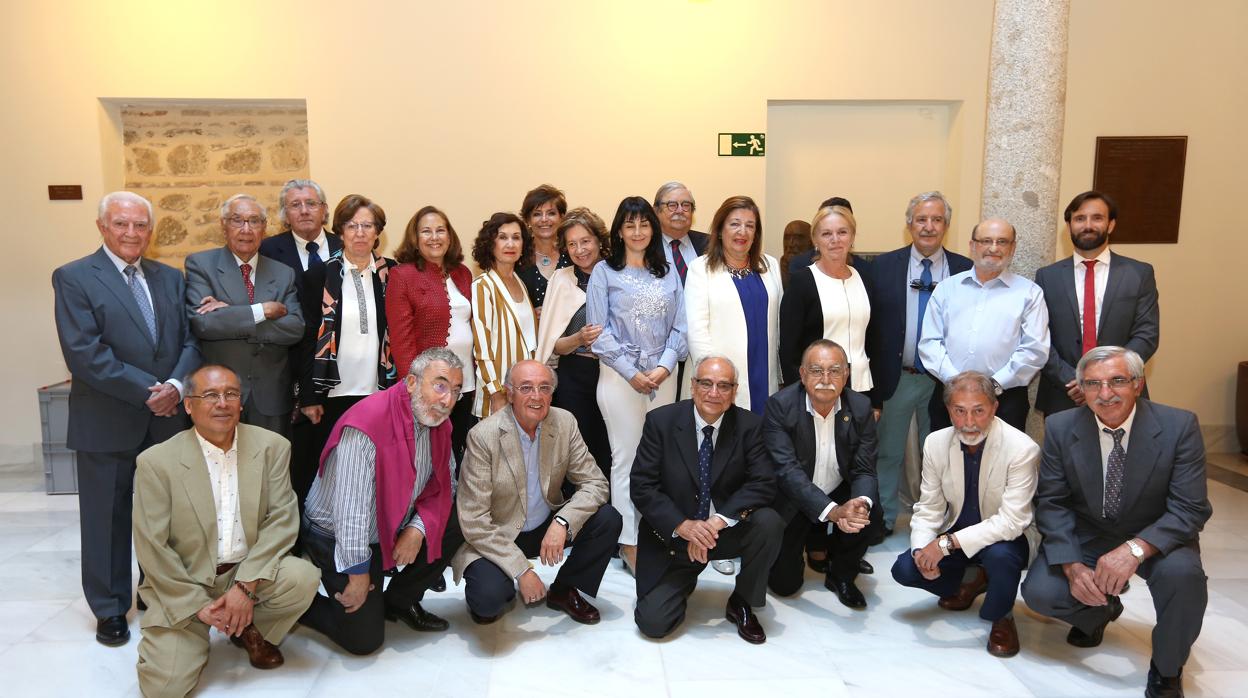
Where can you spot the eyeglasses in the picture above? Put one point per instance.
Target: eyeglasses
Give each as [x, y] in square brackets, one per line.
[309, 205]
[136, 226]
[1116, 383]
[674, 206]
[818, 372]
[706, 385]
[529, 389]
[444, 388]
[364, 227]
[229, 396]
[238, 222]
[990, 243]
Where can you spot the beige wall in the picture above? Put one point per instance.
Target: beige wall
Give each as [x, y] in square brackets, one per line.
[468, 106]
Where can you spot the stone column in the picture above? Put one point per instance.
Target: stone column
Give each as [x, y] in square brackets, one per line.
[1026, 113]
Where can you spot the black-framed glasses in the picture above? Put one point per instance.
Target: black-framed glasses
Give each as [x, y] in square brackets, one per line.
[674, 206]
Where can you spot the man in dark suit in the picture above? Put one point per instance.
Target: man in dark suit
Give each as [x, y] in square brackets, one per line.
[674, 205]
[1124, 286]
[1122, 491]
[822, 440]
[246, 313]
[899, 286]
[127, 344]
[703, 484]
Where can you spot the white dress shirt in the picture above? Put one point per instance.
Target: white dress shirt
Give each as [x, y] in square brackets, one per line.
[827, 475]
[358, 341]
[1101, 276]
[700, 424]
[223, 477]
[301, 246]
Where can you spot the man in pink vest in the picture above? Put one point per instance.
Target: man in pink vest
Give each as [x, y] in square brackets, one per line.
[383, 499]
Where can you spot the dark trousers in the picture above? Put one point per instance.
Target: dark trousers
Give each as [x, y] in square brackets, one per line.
[363, 631]
[1003, 563]
[578, 394]
[308, 440]
[1176, 580]
[105, 493]
[278, 424]
[488, 589]
[462, 420]
[844, 550]
[756, 541]
[1012, 407]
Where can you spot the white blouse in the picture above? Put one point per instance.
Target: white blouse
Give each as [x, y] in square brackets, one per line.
[459, 335]
[846, 312]
[358, 340]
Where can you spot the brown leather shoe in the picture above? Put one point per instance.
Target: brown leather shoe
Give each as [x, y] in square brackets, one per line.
[966, 593]
[262, 653]
[1003, 640]
[748, 627]
[572, 603]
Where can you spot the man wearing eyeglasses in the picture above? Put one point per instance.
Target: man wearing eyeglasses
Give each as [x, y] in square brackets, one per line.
[384, 499]
[1122, 492]
[822, 439]
[518, 465]
[246, 313]
[674, 205]
[990, 320]
[214, 520]
[703, 483]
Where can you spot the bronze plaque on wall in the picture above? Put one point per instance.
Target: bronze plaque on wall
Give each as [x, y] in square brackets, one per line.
[1144, 174]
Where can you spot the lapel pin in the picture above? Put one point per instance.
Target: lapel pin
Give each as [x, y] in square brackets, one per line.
[845, 418]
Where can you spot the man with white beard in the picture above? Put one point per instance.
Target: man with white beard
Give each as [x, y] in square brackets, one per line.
[993, 531]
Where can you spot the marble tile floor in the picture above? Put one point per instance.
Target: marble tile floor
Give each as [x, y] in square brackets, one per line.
[902, 645]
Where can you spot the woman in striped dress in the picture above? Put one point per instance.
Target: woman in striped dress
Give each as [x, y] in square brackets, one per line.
[504, 326]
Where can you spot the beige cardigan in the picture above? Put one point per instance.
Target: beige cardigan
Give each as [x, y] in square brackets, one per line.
[497, 340]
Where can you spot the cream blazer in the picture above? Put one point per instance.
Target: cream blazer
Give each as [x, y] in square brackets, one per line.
[717, 322]
[563, 299]
[1007, 486]
[497, 340]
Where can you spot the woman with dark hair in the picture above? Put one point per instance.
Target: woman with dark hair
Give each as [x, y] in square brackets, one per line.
[641, 309]
[732, 302]
[504, 326]
[564, 337]
[352, 359]
[428, 305]
[543, 210]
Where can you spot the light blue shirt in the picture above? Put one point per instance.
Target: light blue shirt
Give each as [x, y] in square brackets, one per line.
[538, 510]
[642, 318]
[1000, 328]
[940, 271]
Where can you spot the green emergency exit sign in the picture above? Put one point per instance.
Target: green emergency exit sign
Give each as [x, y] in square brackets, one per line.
[742, 144]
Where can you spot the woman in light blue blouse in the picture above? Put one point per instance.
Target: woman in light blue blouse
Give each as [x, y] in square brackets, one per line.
[641, 309]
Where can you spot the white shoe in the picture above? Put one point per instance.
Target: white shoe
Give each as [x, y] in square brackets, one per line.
[724, 567]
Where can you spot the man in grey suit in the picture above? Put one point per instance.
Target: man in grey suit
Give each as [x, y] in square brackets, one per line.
[1122, 492]
[126, 342]
[246, 313]
[1123, 286]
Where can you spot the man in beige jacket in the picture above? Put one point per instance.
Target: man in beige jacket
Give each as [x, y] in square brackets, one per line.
[214, 519]
[512, 507]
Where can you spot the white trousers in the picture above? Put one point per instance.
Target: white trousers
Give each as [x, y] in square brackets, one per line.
[624, 412]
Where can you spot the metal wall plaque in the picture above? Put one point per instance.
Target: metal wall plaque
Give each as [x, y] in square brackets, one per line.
[1144, 174]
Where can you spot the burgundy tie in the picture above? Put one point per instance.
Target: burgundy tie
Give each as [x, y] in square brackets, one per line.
[679, 260]
[251, 288]
[1089, 306]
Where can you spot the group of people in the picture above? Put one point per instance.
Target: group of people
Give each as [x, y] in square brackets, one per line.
[640, 390]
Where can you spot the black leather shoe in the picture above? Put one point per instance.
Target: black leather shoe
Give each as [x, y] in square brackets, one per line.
[482, 620]
[865, 567]
[112, 631]
[572, 603]
[847, 592]
[1162, 686]
[748, 627]
[438, 586]
[418, 619]
[819, 565]
[1078, 638]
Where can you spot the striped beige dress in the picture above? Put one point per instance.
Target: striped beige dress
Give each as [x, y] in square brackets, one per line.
[503, 332]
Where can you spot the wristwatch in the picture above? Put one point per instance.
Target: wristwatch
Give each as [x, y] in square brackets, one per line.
[946, 545]
[996, 387]
[563, 522]
[1136, 550]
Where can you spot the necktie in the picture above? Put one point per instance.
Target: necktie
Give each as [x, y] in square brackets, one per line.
[251, 288]
[925, 293]
[314, 259]
[704, 473]
[141, 299]
[1114, 472]
[679, 260]
[1089, 306]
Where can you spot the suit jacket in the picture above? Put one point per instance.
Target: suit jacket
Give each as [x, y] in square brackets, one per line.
[493, 501]
[258, 353]
[888, 288]
[1007, 484]
[175, 520]
[1164, 497]
[664, 481]
[110, 353]
[1129, 318]
[789, 435]
[699, 240]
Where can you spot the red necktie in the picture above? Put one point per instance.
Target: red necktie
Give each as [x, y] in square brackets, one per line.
[251, 288]
[1089, 306]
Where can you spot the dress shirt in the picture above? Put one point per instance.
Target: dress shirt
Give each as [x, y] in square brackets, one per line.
[686, 248]
[301, 246]
[459, 334]
[121, 265]
[1000, 328]
[827, 475]
[1101, 271]
[1107, 445]
[642, 319]
[846, 313]
[342, 503]
[223, 477]
[257, 309]
[699, 425]
[538, 510]
[358, 339]
[940, 271]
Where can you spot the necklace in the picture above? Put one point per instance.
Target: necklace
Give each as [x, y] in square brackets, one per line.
[742, 273]
[545, 259]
